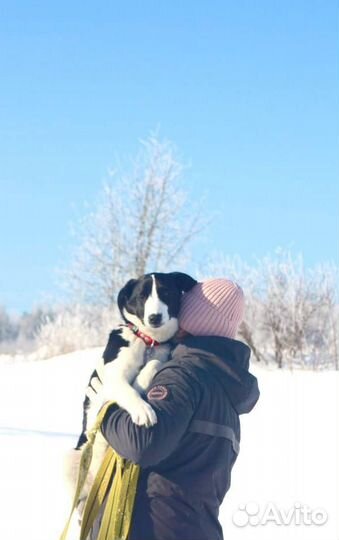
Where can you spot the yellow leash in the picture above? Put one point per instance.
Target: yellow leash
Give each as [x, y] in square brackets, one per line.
[117, 479]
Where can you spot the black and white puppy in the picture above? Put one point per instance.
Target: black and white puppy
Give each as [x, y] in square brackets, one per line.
[135, 351]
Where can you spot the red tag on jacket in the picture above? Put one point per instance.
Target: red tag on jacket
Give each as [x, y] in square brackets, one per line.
[157, 392]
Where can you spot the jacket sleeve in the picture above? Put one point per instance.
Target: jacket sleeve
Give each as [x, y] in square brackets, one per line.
[174, 396]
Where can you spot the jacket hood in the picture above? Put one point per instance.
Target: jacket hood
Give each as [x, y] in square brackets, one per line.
[228, 360]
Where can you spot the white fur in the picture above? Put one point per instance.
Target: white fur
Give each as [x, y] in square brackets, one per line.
[161, 334]
[146, 375]
[117, 379]
[119, 375]
[142, 381]
[154, 306]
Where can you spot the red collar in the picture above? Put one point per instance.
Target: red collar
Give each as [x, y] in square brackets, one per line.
[149, 342]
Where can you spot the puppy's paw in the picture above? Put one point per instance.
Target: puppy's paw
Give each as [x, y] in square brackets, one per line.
[145, 376]
[143, 415]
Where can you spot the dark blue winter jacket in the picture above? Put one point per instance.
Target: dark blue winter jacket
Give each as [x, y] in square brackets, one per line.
[187, 457]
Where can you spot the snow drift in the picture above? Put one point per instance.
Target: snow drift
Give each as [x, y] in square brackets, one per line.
[284, 483]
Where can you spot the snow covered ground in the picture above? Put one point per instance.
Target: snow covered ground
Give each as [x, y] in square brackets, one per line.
[284, 484]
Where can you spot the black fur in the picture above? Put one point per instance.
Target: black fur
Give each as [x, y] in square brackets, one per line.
[169, 287]
[115, 342]
[83, 438]
[95, 374]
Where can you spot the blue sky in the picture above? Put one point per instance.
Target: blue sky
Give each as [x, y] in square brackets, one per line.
[248, 92]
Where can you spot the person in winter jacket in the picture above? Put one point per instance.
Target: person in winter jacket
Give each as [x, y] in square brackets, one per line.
[186, 458]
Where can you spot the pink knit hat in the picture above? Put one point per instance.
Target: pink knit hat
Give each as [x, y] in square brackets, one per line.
[214, 307]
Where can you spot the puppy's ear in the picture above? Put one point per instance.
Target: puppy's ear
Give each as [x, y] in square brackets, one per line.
[184, 282]
[125, 293]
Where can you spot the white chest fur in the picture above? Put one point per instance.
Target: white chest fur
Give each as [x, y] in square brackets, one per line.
[129, 375]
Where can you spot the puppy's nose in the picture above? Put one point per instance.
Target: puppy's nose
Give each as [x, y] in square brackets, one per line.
[155, 319]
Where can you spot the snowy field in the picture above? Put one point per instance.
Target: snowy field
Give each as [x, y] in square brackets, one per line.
[287, 472]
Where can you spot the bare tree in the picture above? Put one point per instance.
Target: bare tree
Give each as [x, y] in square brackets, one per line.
[142, 222]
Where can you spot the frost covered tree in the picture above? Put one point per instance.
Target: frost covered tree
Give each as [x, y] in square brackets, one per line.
[73, 327]
[8, 327]
[330, 312]
[142, 222]
[30, 323]
[292, 316]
